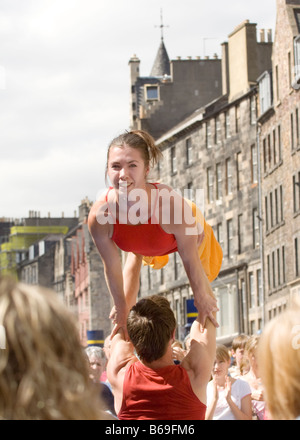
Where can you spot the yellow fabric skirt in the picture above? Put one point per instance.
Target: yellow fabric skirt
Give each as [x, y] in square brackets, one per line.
[210, 251]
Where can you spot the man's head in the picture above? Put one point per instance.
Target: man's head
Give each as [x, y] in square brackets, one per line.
[97, 362]
[151, 324]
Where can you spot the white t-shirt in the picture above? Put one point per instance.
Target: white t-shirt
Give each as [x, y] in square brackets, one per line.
[239, 389]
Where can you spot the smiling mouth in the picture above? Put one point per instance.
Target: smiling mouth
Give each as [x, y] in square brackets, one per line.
[124, 185]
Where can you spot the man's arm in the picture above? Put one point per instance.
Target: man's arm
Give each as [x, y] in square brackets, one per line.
[200, 359]
[121, 355]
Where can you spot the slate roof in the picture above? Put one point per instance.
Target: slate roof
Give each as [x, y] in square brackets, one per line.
[161, 64]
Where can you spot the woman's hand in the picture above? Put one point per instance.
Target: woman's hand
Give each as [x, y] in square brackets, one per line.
[118, 315]
[228, 389]
[215, 390]
[207, 307]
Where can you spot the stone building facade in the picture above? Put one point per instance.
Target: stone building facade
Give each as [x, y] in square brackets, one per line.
[213, 152]
[279, 145]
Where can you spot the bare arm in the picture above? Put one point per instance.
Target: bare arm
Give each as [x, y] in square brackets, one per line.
[123, 286]
[210, 410]
[200, 358]
[186, 232]
[245, 413]
[112, 267]
[131, 277]
[121, 355]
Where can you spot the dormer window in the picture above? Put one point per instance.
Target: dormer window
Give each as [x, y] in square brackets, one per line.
[152, 92]
[265, 91]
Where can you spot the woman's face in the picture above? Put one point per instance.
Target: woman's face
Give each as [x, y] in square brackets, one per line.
[220, 368]
[126, 169]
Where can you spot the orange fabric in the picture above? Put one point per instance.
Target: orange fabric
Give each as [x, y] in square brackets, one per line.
[163, 394]
[210, 251]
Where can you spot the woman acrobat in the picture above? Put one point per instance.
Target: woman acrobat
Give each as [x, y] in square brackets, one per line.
[147, 228]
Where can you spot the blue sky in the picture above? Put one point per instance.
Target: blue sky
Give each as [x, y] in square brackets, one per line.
[64, 85]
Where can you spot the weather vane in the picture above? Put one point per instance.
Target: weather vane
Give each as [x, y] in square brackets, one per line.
[162, 25]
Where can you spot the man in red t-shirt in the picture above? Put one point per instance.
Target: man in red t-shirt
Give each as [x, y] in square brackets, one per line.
[147, 385]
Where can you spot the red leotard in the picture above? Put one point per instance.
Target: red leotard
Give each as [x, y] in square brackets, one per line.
[148, 239]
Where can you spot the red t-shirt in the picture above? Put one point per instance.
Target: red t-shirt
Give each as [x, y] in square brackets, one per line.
[163, 394]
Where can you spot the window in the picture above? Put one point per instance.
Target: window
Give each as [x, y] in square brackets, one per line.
[210, 185]
[297, 61]
[217, 130]
[279, 142]
[251, 290]
[208, 134]
[240, 233]
[292, 132]
[219, 181]
[152, 93]
[220, 234]
[271, 210]
[228, 177]
[266, 213]
[269, 151]
[176, 265]
[178, 311]
[277, 83]
[254, 164]
[297, 127]
[281, 203]
[158, 170]
[265, 92]
[283, 263]
[273, 270]
[238, 170]
[149, 278]
[297, 255]
[296, 192]
[274, 209]
[255, 225]
[190, 193]
[265, 154]
[295, 130]
[259, 288]
[189, 151]
[269, 271]
[229, 238]
[227, 124]
[290, 69]
[276, 268]
[253, 110]
[237, 118]
[173, 160]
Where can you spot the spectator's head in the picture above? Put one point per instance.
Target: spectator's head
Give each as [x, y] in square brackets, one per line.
[43, 369]
[238, 348]
[97, 362]
[279, 364]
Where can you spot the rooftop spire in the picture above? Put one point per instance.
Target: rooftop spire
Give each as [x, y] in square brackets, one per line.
[161, 64]
[162, 25]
